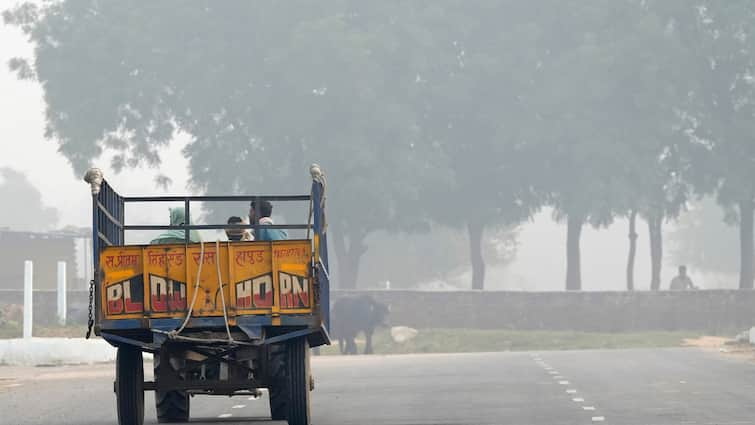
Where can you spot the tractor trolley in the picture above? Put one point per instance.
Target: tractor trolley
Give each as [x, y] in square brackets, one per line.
[220, 318]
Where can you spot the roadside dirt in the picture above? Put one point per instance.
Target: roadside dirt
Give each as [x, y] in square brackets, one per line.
[725, 346]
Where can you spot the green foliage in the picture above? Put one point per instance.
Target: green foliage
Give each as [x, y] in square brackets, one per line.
[725, 98]
[607, 108]
[474, 114]
[719, 36]
[449, 112]
[262, 89]
[715, 38]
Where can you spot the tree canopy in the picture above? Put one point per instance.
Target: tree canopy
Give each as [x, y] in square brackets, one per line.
[466, 114]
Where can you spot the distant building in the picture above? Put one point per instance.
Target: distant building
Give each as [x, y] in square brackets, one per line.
[45, 250]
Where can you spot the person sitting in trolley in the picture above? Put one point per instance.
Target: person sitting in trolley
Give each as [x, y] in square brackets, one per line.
[238, 234]
[173, 236]
[263, 234]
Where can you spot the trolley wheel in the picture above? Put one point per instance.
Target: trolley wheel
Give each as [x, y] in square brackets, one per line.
[171, 405]
[129, 386]
[289, 392]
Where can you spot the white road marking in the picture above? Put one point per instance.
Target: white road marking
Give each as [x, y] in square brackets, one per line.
[682, 382]
[239, 406]
[225, 415]
[561, 381]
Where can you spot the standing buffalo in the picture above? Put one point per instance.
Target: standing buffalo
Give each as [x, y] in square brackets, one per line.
[352, 315]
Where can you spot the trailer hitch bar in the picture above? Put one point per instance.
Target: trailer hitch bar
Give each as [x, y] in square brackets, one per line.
[116, 340]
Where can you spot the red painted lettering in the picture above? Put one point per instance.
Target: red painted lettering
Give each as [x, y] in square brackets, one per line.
[131, 306]
[115, 299]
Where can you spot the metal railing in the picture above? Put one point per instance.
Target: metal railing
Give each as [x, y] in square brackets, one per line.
[110, 213]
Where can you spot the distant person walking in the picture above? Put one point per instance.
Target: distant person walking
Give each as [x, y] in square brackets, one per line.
[681, 282]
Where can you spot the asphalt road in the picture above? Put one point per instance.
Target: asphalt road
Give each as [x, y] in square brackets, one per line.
[637, 387]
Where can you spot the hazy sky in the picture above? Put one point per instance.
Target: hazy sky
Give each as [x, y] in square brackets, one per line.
[540, 261]
[23, 146]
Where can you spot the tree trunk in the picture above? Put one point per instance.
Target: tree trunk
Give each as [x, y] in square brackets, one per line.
[349, 253]
[655, 231]
[573, 255]
[475, 230]
[747, 242]
[632, 249]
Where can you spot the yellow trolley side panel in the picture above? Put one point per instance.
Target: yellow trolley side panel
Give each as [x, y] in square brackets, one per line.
[122, 294]
[159, 281]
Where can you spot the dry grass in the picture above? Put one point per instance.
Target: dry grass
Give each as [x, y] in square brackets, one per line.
[476, 340]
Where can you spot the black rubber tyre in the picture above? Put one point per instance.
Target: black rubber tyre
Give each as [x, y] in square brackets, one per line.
[289, 392]
[278, 388]
[129, 386]
[171, 406]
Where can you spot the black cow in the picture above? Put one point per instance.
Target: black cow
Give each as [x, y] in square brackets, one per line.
[352, 315]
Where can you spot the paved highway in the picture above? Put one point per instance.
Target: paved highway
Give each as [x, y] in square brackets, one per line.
[628, 387]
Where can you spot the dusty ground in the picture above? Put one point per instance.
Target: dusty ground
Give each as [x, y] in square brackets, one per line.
[725, 346]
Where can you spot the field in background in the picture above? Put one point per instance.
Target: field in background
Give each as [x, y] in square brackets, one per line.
[474, 340]
[457, 340]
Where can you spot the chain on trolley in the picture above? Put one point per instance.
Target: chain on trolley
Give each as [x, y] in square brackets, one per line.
[90, 323]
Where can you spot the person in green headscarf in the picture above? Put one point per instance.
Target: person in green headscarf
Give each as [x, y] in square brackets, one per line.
[177, 218]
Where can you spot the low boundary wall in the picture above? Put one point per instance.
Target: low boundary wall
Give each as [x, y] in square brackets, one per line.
[710, 310]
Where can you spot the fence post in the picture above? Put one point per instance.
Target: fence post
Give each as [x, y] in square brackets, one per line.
[28, 294]
[62, 306]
